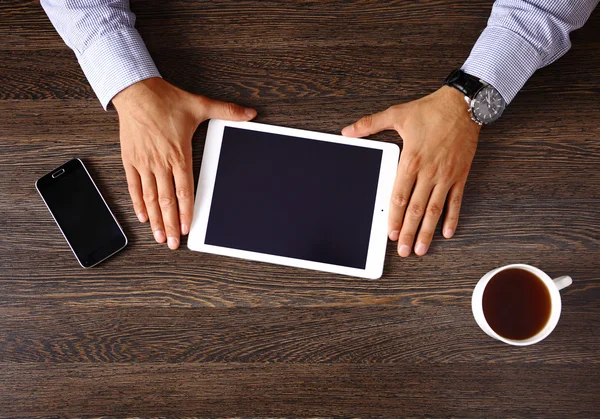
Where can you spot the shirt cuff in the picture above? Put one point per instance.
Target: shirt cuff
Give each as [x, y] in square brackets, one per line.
[503, 59]
[116, 61]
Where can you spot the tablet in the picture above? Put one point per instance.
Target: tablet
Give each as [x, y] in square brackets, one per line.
[294, 197]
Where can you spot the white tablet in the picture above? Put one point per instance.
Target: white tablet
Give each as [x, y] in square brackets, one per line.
[294, 197]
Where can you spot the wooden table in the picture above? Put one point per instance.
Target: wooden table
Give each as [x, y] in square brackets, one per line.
[156, 332]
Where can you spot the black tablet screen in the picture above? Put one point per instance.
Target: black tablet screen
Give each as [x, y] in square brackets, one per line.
[289, 196]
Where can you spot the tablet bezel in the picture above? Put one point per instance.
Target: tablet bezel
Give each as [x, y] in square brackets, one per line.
[206, 183]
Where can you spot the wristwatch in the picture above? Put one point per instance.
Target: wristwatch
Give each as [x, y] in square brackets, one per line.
[485, 102]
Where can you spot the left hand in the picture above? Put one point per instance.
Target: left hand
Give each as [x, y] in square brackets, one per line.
[157, 121]
[439, 143]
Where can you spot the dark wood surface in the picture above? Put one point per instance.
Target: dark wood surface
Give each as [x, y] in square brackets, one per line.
[153, 332]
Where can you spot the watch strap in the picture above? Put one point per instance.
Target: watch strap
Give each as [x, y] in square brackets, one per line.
[463, 82]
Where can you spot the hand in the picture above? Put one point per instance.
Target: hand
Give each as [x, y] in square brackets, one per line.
[439, 143]
[157, 121]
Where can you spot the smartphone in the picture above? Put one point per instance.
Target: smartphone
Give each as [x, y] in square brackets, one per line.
[81, 213]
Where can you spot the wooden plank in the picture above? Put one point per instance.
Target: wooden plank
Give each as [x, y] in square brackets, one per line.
[284, 72]
[368, 334]
[25, 26]
[307, 390]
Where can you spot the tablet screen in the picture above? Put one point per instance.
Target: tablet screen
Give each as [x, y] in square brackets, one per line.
[294, 197]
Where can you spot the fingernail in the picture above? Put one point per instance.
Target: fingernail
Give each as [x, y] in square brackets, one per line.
[142, 217]
[173, 242]
[448, 233]
[250, 112]
[184, 229]
[394, 235]
[420, 249]
[348, 130]
[159, 236]
[404, 251]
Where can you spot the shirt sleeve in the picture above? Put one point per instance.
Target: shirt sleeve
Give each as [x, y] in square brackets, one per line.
[523, 36]
[109, 49]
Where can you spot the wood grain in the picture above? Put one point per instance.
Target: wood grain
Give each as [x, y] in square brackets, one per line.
[300, 390]
[366, 334]
[152, 332]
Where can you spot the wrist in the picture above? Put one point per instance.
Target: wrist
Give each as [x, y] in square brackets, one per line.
[453, 103]
[485, 103]
[135, 92]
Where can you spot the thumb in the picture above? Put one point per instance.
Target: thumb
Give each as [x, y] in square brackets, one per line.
[371, 124]
[216, 109]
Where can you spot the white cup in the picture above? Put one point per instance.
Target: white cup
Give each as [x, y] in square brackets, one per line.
[553, 286]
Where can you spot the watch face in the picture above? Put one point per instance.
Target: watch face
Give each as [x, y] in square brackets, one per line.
[488, 105]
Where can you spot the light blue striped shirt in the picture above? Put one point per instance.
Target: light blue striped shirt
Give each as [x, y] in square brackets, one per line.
[521, 36]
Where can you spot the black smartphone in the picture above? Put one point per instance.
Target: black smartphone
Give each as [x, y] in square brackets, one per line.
[81, 213]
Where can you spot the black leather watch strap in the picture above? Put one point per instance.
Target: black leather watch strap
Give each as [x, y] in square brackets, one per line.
[464, 82]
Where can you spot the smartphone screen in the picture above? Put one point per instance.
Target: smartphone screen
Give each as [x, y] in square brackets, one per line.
[81, 213]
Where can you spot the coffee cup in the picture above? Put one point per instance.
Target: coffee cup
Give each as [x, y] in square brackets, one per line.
[518, 304]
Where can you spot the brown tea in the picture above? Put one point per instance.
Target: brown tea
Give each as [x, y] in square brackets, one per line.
[516, 304]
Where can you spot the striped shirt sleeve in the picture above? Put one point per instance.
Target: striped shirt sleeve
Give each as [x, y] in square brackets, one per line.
[523, 36]
[102, 34]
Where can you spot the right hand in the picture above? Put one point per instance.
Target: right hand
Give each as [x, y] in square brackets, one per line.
[439, 143]
[157, 121]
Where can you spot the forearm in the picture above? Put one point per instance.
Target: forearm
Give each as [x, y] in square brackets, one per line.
[102, 34]
[523, 36]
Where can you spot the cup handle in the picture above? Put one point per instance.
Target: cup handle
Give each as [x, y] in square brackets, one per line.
[562, 282]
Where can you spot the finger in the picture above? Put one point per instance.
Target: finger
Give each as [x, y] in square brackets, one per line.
[150, 194]
[168, 207]
[454, 202]
[372, 124]
[134, 185]
[431, 218]
[412, 217]
[184, 189]
[403, 186]
[211, 108]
